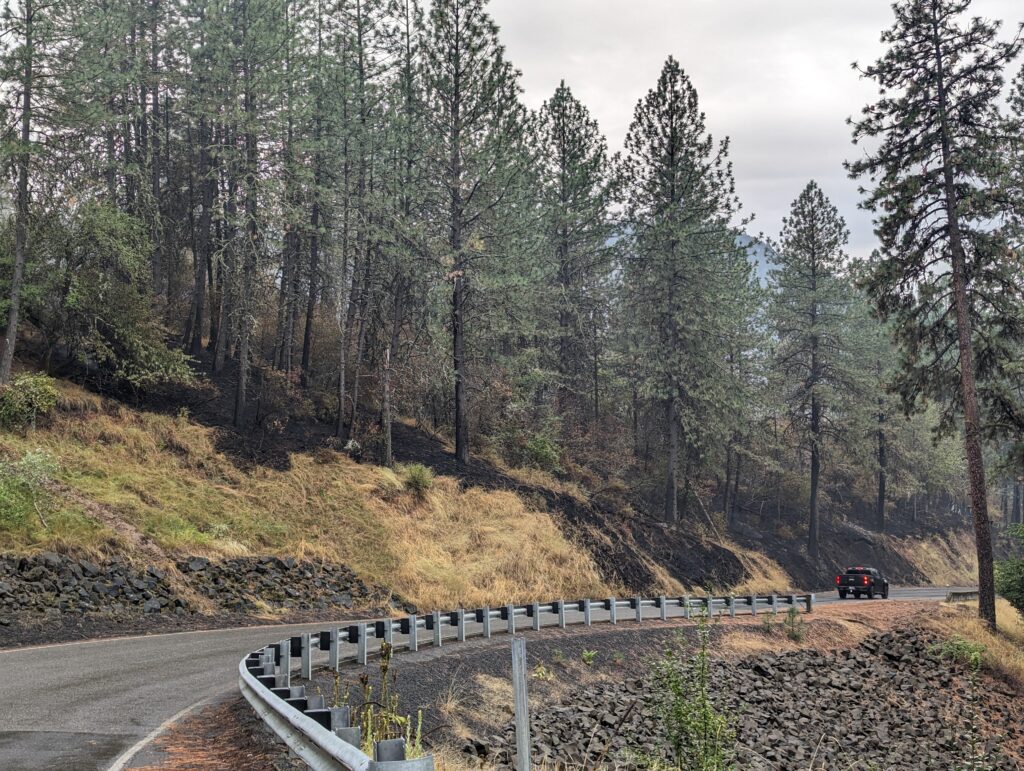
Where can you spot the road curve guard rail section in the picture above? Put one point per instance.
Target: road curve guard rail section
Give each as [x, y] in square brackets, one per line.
[323, 736]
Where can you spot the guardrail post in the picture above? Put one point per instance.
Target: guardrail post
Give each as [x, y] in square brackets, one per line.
[752, 601]
[487, 620]
[535, 615]
[511, 611]
[586, 612]
[435, 617]
[775, 603]
[732, 606]
[460, 625]
[663, 607]
[361, 652]
[639, 609]
[810, 603]
[792, 600]
[285, 676]
[561, 614]
[522, 704]
[307, 657]
[686, 606]
[334, 652]
[706, 601]
[612, 611]
[414, 638]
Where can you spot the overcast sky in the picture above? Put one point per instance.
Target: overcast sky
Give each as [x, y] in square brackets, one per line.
[774, 75]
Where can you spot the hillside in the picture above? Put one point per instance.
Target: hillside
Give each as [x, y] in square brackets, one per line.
[102, 481]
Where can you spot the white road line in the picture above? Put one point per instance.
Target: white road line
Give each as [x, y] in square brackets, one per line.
[122, 760]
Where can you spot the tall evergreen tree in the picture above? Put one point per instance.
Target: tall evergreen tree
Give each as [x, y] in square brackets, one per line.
[577, 197]
[683, 262]
[940, 275]
[810, 310]
[476, 124]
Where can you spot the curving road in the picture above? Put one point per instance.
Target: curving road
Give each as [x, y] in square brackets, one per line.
[91, 705]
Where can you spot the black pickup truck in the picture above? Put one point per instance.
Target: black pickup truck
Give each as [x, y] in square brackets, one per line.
[862, 581]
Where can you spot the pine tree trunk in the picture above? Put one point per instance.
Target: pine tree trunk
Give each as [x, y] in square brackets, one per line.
[812, 529]
[672, 467]
[21, 244]
[968, 389]
[1015, 515]
[882, 469]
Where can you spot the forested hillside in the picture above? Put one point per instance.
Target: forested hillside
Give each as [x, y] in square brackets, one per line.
[299, 223]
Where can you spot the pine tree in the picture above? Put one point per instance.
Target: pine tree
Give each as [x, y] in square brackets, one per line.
[940, 271]
[475, 121]
[810, 311]
[682, 265]
[576, 184]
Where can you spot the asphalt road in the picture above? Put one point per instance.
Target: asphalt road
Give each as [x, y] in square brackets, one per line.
[90, 705]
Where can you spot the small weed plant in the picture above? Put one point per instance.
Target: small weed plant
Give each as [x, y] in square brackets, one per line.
[961, 651]
[541, 672]
[795, 626]
[588, 657]
[769, 622]
[418, 480]
[380, 717]
[700, 737]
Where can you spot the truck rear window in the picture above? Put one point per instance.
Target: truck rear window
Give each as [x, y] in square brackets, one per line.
[858, 572]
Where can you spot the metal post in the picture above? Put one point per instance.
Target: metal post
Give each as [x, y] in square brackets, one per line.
[663, 607]
[686, 606]
[561, 614]
[792, 600]
[334, 652]
[775, 603]
[752, 600]
[307, 657]
[389, 632]
[511, 611]
[284, 677]
[810, 603]
[586, 612]
[487, 621]
[361, 652]
[522, 704]
[536, 616]
[460, 625]
[639, 609]
[612, 610]
[732, 606]
[436, 617]
[414, 638]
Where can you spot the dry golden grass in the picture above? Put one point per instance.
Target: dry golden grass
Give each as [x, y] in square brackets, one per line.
[765, 574]
[156, 479]
[944, 561]
[1004, 650]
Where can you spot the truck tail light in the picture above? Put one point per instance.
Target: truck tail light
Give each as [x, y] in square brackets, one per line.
[837, 580]
[866, 581]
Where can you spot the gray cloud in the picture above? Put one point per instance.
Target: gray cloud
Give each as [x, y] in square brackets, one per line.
[773, 76]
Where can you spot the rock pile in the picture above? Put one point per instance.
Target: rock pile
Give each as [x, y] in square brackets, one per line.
[251, 584]
[57, 584]
[892, 702]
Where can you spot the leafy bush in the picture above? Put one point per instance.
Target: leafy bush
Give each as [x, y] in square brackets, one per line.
[22, 490]
[542, 453]
[700, 737]
[1010, 576]
[961, 651]
[418, 480]
[25, 399]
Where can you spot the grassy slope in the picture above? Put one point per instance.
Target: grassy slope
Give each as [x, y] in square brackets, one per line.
[156, 487]
[127, 477]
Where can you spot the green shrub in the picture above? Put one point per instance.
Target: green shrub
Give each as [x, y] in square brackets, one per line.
[26, 398]
[542, 453]
[1010, 576]
[794, 625]
[699, 736]
[961, 651]
[588, 657]
[418, 480]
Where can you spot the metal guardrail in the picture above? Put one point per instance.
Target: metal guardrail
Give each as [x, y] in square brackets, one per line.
[323, 736]
[968, 596]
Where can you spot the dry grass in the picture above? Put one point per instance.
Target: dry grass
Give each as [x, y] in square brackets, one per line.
[157, 479]
[949, 560]
[765, 574]
[1004, 650]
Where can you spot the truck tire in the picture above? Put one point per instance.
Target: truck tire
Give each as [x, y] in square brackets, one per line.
[842, 594]
[871, 593]
[885, 592]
